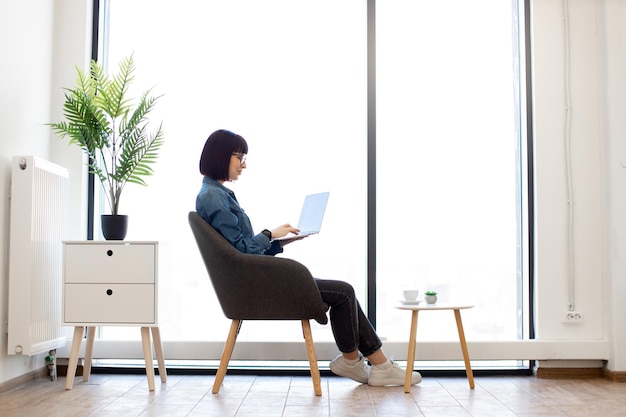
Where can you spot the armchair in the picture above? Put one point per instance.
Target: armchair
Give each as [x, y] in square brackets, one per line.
[258, 287]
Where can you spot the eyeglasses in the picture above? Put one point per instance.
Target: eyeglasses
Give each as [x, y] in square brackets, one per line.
[241, 157]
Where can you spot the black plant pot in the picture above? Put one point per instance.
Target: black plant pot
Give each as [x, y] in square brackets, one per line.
[114, 226]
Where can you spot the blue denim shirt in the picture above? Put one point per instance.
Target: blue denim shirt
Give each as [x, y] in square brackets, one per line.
[218, 206]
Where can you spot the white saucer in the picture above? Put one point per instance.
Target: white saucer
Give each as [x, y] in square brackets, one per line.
[410, 303]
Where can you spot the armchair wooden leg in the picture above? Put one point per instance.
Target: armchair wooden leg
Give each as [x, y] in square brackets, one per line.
[310, 350]
[228, 351]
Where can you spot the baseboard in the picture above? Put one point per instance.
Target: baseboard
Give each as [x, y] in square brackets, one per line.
[615, 376]
[14, 383]
[569, 373]
[62, 370]
[580, 373]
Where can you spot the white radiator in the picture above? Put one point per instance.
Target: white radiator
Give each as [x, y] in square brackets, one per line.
[39, 224]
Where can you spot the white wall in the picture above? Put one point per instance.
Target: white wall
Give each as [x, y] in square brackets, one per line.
[614, 129]
[595, 63]
[552, 226]
[38, 39]
[72, 48]
[40, 50]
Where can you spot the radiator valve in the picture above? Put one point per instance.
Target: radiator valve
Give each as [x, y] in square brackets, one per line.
[51, 363]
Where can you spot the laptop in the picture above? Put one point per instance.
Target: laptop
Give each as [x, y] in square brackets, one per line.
[311, 215]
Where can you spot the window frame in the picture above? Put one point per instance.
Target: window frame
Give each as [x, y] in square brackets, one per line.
[100, 17]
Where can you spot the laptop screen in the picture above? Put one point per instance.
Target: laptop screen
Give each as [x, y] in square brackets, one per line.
[312, 213]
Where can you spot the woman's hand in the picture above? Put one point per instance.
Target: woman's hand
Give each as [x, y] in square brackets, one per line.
[283, 230]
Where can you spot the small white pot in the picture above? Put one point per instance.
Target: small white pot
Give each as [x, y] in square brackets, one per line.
[430, 299]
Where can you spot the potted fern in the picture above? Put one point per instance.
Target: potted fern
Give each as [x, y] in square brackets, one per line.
[113, 133]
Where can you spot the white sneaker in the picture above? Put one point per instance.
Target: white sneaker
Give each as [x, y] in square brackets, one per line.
[391, 376]
[359, 372]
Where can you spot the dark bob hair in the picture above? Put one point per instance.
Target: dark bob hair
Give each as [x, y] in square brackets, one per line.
[218, 149]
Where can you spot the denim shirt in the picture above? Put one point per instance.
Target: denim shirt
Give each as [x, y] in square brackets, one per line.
[218, 206]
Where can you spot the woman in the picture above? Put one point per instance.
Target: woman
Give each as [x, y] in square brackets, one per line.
[224, 159]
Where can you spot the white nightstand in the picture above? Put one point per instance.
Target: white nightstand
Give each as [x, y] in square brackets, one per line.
[111, 283]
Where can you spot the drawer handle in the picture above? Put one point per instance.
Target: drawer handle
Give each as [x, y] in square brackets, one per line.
[110, 252]
[109, 292]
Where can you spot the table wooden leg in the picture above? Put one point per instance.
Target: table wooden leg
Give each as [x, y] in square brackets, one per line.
[73, 362]
[91, 336]
[468, 366]
[410, 359]
[158, 349]
[147, 355]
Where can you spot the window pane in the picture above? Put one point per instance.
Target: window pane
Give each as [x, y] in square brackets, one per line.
[288, 76]
[448, 165]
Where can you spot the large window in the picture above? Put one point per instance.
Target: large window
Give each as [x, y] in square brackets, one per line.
[448, 163]
[292, 78]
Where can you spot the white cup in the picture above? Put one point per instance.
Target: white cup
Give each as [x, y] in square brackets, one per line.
[410, 295]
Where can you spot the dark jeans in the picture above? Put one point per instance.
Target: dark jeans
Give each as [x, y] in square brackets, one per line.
[352, 330]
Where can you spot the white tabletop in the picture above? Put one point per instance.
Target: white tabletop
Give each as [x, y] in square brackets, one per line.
[437, 306]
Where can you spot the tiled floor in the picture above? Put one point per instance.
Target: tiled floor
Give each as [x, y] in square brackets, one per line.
[242, 396]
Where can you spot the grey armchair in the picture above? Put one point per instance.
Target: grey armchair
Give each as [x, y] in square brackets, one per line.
[258, 287]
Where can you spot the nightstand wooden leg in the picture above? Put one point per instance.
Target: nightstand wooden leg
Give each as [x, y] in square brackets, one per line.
[73, 362]
[91, 336]
[147, 355]
[468, 366]
[158, 349]
[410, 358]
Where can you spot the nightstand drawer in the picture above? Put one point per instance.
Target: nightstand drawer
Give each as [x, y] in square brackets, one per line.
[110, 263]
[109, 303]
